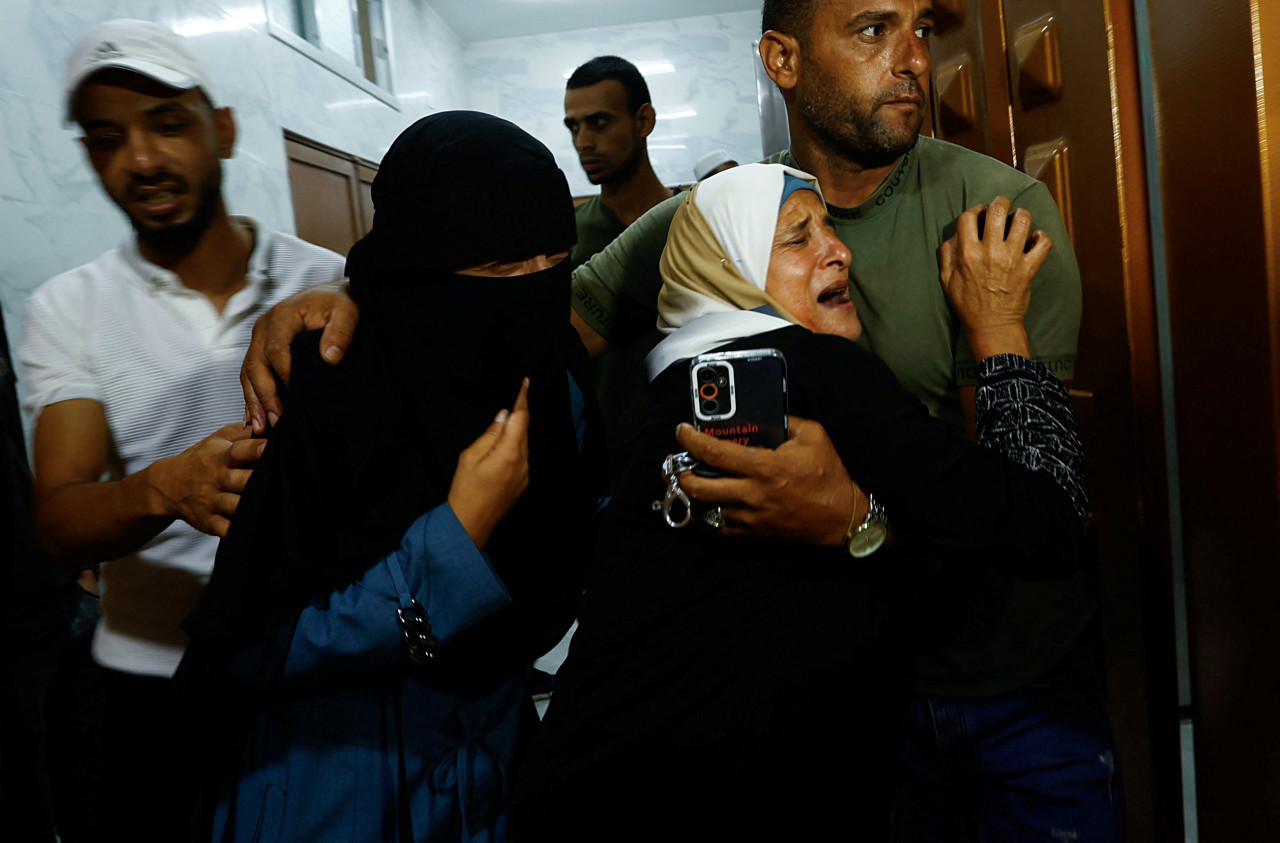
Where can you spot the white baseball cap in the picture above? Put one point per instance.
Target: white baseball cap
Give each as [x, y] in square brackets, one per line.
[140, 46]
[710, 161]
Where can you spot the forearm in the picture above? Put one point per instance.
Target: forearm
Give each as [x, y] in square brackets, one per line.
[81, 523]
[990, 342]
[615, 293]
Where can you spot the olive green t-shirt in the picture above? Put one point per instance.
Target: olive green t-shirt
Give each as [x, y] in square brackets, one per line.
[617, 376]
[597, 227]
[1014, 629]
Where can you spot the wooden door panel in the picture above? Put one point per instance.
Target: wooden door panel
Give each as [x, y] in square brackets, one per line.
[970, 89]
[1050, 87]
[332, 202]
[1050, 163]
[1075, 119]
[322, 206]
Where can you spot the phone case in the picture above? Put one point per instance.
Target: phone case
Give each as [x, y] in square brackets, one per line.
[741, 396]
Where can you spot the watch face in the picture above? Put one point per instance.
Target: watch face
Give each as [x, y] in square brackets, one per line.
[867, 539]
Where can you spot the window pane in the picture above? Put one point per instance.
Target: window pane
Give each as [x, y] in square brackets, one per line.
[335, 22]
[377, 58]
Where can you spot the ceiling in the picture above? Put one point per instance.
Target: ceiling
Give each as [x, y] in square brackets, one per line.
[487, 20]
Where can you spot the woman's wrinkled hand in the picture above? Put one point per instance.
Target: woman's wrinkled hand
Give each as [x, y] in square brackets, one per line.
[987, 275]
[493, 472]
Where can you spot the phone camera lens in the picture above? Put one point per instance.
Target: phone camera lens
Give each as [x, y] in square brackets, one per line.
[706, 374]
[710, 407]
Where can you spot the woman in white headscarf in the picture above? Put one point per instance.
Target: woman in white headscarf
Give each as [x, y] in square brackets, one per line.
[730, 687]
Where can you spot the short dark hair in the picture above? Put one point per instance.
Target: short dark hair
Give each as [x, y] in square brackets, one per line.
[601, 68]
[790, 17]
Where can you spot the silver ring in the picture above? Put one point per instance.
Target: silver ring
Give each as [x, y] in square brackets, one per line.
[713, 518]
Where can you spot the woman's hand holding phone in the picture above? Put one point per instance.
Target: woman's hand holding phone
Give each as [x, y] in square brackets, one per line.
[798, 492]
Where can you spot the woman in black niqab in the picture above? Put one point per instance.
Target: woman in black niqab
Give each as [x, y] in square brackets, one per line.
[331, 548]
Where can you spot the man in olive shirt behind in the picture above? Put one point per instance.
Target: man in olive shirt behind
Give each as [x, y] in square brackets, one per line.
[608, 112]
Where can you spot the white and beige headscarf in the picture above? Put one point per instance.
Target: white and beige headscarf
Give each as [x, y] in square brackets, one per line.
[716, 261]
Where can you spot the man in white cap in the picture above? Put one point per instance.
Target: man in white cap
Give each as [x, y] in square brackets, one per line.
[715, 161]
[129, 361]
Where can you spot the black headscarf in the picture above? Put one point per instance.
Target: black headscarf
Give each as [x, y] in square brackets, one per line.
[364, 448]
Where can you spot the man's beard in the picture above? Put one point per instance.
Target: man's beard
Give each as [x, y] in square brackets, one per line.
[853, 129]
[180, 239]
[623, 173]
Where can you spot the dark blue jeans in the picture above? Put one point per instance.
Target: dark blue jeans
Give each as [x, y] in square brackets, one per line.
[1035, 764]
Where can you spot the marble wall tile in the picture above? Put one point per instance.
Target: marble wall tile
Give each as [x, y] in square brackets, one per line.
[706, 100]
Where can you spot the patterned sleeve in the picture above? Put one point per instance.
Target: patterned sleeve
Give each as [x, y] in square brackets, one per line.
[1025, 414]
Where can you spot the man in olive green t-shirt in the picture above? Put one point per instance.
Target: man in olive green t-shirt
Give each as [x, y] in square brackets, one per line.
[608, 113]
[996, 744]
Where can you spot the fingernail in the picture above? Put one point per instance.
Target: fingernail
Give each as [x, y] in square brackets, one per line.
[332, 354]
[683, 426]
[272, 418]
[526, 382]
[501, 418]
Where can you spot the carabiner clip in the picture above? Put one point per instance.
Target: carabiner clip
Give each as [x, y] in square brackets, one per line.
[672, 467]
[676, 494]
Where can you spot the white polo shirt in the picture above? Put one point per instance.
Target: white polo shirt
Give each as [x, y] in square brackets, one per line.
[164, 364]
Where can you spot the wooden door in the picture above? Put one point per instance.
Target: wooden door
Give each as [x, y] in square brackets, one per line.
[332, 205]
[1049, 86]
[1217, 112]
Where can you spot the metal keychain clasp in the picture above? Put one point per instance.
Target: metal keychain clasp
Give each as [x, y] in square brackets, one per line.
[675, 498]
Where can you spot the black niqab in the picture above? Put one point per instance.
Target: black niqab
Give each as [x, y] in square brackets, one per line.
[366, 447]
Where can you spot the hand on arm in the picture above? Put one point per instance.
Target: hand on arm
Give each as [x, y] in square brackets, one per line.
[799, 492]
[493, 472]
[987, 277]
[325, 306]
[82, 519]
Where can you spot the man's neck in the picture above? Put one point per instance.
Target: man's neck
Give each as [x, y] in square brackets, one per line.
[844, 183]
[630, 199]
[217, 266]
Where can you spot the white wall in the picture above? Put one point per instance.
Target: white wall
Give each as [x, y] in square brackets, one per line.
[522, 79]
